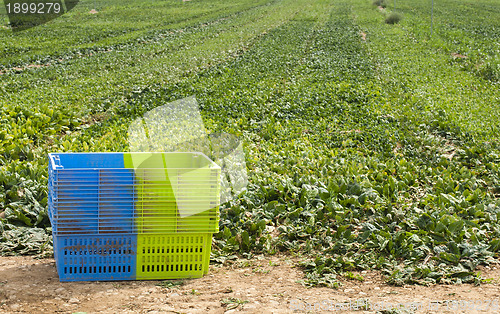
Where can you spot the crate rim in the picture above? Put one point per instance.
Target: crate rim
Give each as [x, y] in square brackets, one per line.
[52, 158]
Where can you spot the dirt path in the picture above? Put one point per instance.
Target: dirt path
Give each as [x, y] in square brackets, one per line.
[262, 285]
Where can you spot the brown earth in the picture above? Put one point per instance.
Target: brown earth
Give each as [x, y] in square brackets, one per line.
[260, 285]
[459, 56]
[30, 66]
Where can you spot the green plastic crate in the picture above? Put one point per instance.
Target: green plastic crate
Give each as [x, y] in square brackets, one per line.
[176, 192]
[176, 213]
[173, 256]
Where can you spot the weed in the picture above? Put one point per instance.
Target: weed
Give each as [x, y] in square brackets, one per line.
[352, 276]
[194, 292]
[394, 18]
[380, 3]
[170, 284]
[232, 303]
[261, 271]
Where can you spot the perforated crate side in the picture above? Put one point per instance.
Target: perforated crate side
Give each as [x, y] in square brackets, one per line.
[93, 202]
[173, 256]
[99, 257]
[90, 193]
[171, 200]
[51, 196]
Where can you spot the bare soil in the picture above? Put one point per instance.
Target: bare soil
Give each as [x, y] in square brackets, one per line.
[260, 285]
[459, 56]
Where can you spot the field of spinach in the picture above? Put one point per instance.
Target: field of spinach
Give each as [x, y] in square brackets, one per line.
[369, 145]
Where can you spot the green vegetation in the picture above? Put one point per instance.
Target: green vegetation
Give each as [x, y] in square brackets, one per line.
[466, 28]
[363, 153]
[380, 3]
[232, 303]
[393, 18]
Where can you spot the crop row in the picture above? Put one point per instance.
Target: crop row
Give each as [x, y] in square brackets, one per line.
[466, 30]
[46, 109]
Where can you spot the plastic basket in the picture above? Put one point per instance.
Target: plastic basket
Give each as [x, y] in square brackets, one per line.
[99, 198]
[173, 256]
[99, 257]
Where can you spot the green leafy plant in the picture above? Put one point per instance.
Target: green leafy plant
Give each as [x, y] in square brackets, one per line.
[380, 3]
[232, 303]
[170, 284]
[394, 18]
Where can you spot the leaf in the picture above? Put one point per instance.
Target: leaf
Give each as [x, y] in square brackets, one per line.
[449, 257]
[495, 245]
[456, 226]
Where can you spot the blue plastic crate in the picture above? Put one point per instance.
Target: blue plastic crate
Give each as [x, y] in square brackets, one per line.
[92, 216]
[90, 193]
[97, 257]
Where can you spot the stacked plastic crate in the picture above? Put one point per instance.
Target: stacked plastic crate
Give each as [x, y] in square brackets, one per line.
[127, 216]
